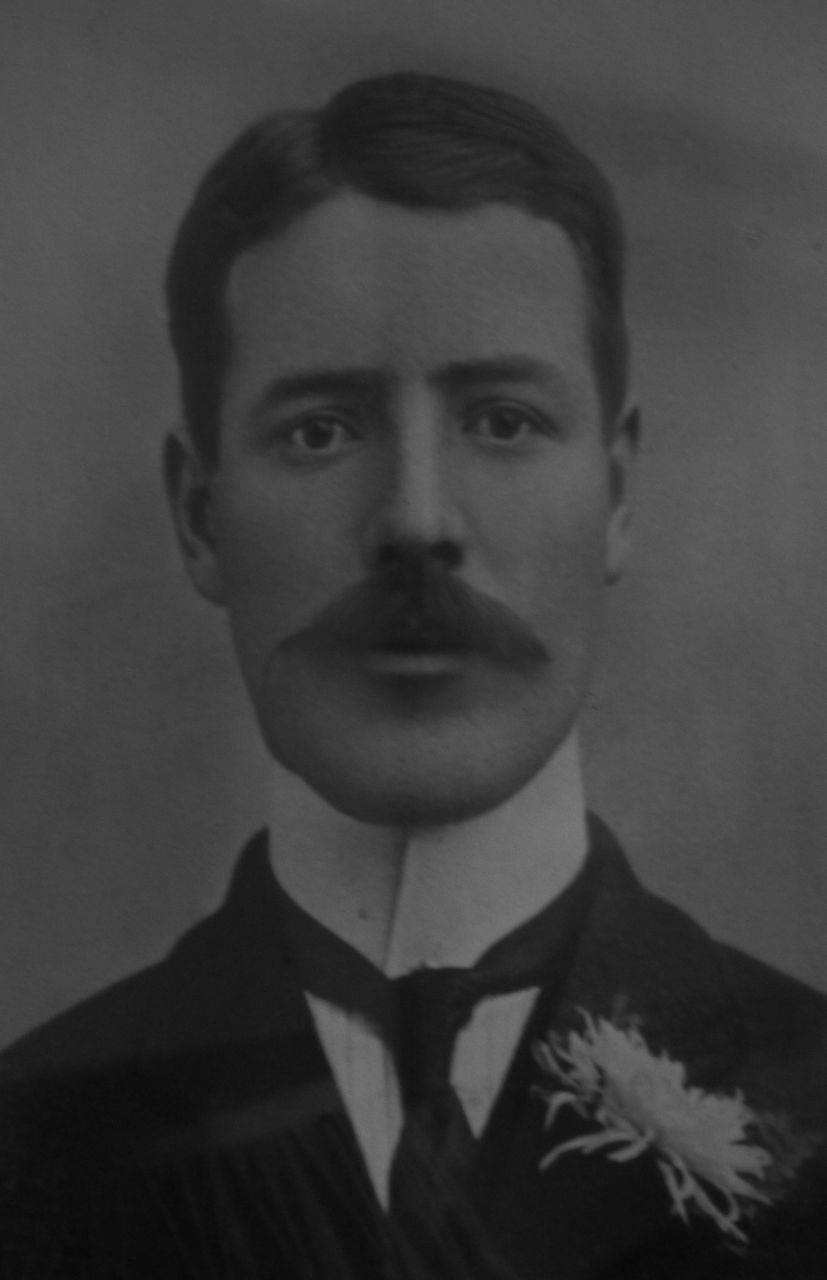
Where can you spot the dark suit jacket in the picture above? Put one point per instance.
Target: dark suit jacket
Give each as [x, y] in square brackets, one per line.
[185, 1122]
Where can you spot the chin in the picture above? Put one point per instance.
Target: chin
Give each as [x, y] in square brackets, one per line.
[426, 766]
[439, 789]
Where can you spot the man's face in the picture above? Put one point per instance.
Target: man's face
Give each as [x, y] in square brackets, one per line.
[415, 507]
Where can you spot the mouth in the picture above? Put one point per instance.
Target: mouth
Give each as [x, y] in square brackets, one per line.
[417, 663]
[442, 633]
[417, 648]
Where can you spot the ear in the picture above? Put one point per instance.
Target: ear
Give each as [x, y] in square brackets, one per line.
[189, 487]
[622, 448]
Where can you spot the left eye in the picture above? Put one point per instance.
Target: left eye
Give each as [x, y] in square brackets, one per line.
[505, 424]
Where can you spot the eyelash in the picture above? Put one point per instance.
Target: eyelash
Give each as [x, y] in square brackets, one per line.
[538, 423]
[287, 435]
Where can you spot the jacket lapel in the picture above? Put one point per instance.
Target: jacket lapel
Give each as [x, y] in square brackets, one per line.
[636, 957]
[233, 1047]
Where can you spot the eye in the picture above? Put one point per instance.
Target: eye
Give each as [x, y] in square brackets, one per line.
[505, 424]
[319, 435]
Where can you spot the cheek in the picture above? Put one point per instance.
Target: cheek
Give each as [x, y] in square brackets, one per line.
[548, 545]
[281, 562]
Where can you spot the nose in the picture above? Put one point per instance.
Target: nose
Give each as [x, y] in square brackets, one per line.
[416, 512]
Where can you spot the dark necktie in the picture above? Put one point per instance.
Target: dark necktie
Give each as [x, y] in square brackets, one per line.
[428, 1207]
[419, 1016]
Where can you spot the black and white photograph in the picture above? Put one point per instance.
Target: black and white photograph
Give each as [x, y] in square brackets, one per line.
[414, 843]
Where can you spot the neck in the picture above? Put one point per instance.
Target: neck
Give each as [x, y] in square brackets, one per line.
[436, 895]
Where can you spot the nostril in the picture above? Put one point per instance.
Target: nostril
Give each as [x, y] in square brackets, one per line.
[400, 553]
[447, 553]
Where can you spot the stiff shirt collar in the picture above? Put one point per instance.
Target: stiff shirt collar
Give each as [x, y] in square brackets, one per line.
[438, 895]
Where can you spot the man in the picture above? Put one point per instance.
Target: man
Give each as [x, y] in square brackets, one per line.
[437, 1029]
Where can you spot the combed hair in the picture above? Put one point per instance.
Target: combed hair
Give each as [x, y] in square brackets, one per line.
[422, 142]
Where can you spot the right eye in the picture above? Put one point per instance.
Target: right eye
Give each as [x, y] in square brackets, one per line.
[319, 435]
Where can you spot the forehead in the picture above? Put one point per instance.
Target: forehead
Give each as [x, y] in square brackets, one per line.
[359, 283]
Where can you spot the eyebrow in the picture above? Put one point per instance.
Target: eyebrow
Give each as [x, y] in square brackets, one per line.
[456, 376]
[460, 374]
[317, 382]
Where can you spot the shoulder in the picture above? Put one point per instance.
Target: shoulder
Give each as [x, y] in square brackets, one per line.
[132, 1018]
[107, 1026]
[207, 988]
[89, 1070]
[767, 1002]
[741, 1022]
[724, 1042]
[211, 1025]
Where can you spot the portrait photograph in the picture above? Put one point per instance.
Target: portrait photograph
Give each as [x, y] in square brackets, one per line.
[414, 839]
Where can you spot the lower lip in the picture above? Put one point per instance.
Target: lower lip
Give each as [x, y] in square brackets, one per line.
[417, 665]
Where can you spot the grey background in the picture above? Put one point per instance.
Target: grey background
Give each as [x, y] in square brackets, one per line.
[129, 770]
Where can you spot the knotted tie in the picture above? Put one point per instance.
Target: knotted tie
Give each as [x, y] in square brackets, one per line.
[427, 1203]
[431, 1210]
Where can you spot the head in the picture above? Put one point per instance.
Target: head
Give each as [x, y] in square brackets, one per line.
[404, 467]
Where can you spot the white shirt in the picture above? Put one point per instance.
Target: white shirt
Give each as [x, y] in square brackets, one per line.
[437, 896]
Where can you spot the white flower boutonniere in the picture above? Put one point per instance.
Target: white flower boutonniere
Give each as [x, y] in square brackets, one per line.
[641, 1102]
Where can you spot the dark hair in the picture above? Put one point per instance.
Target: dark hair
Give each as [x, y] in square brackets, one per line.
[420, 141]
